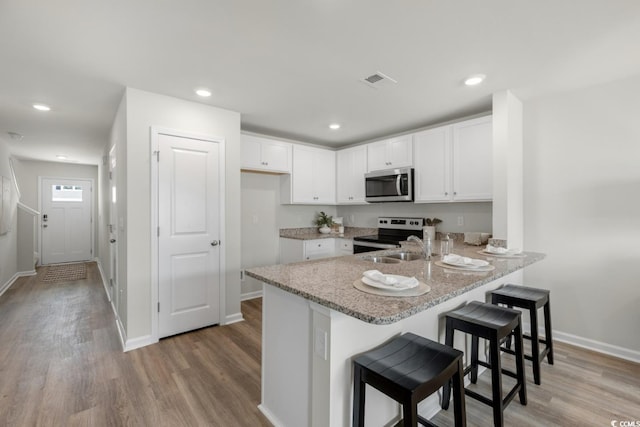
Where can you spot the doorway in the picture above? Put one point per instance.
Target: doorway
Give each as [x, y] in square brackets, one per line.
[189, 227]
[66, 220]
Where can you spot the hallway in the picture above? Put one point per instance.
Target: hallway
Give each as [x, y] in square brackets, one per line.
[61, 363]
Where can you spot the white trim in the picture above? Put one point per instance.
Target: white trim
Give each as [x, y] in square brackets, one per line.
[92, 227]
[28, 209]
[10, 282]
[143, 341]
[589, 344]
[104, 279]
[155, 131]
[233, 318]
[250, 295]
[272, 418]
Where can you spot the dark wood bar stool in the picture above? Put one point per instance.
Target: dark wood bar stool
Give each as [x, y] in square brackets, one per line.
[408, 369]
[531, 299]
[493, 323]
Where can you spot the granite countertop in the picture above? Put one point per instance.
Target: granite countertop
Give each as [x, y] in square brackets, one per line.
[329, 282]
[311, 233]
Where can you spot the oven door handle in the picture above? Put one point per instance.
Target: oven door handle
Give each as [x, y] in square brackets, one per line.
[398, 189]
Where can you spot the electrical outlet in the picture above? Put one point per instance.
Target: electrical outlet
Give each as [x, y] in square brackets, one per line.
[460, 221]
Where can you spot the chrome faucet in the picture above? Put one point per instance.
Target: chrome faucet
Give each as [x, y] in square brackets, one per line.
[425, 245]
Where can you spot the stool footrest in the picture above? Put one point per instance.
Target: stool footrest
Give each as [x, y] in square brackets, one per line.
[488, 365]
[425, 421]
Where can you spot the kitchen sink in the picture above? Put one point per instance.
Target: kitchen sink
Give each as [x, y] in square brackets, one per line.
[382, 259]
[406, 256]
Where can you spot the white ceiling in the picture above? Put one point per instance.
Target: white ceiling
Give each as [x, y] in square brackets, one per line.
[291, 67]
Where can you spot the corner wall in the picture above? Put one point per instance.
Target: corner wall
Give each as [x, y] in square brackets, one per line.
[8, 242]
[582, 208]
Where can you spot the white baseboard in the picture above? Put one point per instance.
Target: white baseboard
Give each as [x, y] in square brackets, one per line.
[272, 418]
[251, 295]
[233, 318]
[105, 281]
[589, 344]
[132, 344]
[5, 287]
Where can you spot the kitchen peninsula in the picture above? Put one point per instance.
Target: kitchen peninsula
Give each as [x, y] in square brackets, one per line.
[315, 321]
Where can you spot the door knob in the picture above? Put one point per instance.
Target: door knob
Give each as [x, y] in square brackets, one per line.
[215, 243]
[112, 240]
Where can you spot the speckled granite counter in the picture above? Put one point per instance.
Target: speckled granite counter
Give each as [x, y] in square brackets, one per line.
[311, 233]
[329, 282]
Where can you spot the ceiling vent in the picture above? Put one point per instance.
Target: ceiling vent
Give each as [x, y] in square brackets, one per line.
[378, 80]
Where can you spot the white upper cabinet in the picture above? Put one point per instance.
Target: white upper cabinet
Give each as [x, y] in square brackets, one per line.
[351, 167]
[390, 153]
[473, 160]
[432, 149]
[454, 162]
[264, 154]
[313, 177]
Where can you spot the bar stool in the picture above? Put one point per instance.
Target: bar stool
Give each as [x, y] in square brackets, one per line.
[408, 369]
[493, 323]
[531, 299]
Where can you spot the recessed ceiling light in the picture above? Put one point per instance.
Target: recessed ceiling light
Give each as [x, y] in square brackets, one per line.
[61, 157]
[203, 92]
[334, 126]
[476, 79]
[41, 107]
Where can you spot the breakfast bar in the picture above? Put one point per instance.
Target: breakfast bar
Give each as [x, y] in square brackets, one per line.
[315, 320]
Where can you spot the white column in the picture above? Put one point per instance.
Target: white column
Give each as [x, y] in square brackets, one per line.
[508, 221]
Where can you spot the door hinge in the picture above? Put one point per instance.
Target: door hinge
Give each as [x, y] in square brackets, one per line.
[157, 153]
[110, 175]
[158, 231]
[158, 307]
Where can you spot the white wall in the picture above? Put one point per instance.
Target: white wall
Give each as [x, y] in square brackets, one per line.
[582, 208]
[8, 242]
[476, 216]
[262, 218]
[144, 110]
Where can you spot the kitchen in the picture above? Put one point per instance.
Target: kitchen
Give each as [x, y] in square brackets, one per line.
[574, 75]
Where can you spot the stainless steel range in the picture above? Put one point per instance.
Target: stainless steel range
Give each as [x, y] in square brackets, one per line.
[391, 231]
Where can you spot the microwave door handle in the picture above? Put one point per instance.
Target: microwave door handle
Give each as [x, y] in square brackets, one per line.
[398, 180]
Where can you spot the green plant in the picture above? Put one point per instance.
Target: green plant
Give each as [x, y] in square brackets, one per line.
[433, 222]
[323, 219]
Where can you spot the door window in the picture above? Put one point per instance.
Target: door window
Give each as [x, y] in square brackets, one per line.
[66, 193]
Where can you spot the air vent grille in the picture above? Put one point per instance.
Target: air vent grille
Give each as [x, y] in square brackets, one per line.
[378, 80]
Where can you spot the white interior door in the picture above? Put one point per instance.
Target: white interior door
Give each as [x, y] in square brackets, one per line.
[189, 276]
[66, 220]
[113, 230]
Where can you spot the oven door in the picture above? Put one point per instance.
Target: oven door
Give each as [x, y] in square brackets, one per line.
[361, 246]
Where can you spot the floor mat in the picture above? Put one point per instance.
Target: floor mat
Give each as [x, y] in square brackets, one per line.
[65, 272]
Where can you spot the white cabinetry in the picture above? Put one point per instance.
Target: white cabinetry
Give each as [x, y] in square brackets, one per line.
[313, 177]
[351, 165]
[390, 153]
[264, 154]
[454, 162]
[344, 247]
[293, 250]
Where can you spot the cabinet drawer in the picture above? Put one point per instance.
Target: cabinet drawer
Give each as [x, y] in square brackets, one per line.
[313, 247]
[344, 246]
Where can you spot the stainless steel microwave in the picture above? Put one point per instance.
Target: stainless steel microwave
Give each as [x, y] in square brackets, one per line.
[394, 185]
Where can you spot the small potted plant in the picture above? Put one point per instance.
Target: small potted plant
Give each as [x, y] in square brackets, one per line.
[324, 222]
[430, 228]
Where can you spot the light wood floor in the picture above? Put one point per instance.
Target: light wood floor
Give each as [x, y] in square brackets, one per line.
[61, 365]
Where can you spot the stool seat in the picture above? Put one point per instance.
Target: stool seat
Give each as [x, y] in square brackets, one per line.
[408, 369]
[493, 323]
[531, 299]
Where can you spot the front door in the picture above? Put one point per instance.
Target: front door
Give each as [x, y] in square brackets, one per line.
[66, 220]
[189, 219]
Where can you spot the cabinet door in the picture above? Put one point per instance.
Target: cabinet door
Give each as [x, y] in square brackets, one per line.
[276, 156]
[432, 150]
[400, 152]
[251, 152]
[351, 165]
[473, 160]
[377, 156]
[320, 248]
[324, 177]
[303, 175]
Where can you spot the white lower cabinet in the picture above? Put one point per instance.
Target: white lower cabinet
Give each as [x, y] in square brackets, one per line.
[455, 162]
[294, 250]
[344, 247]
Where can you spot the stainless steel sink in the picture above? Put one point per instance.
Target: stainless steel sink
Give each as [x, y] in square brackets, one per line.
[382, 259]
[405, 256]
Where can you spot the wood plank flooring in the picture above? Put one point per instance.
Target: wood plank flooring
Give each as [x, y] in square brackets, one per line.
[61, 365]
